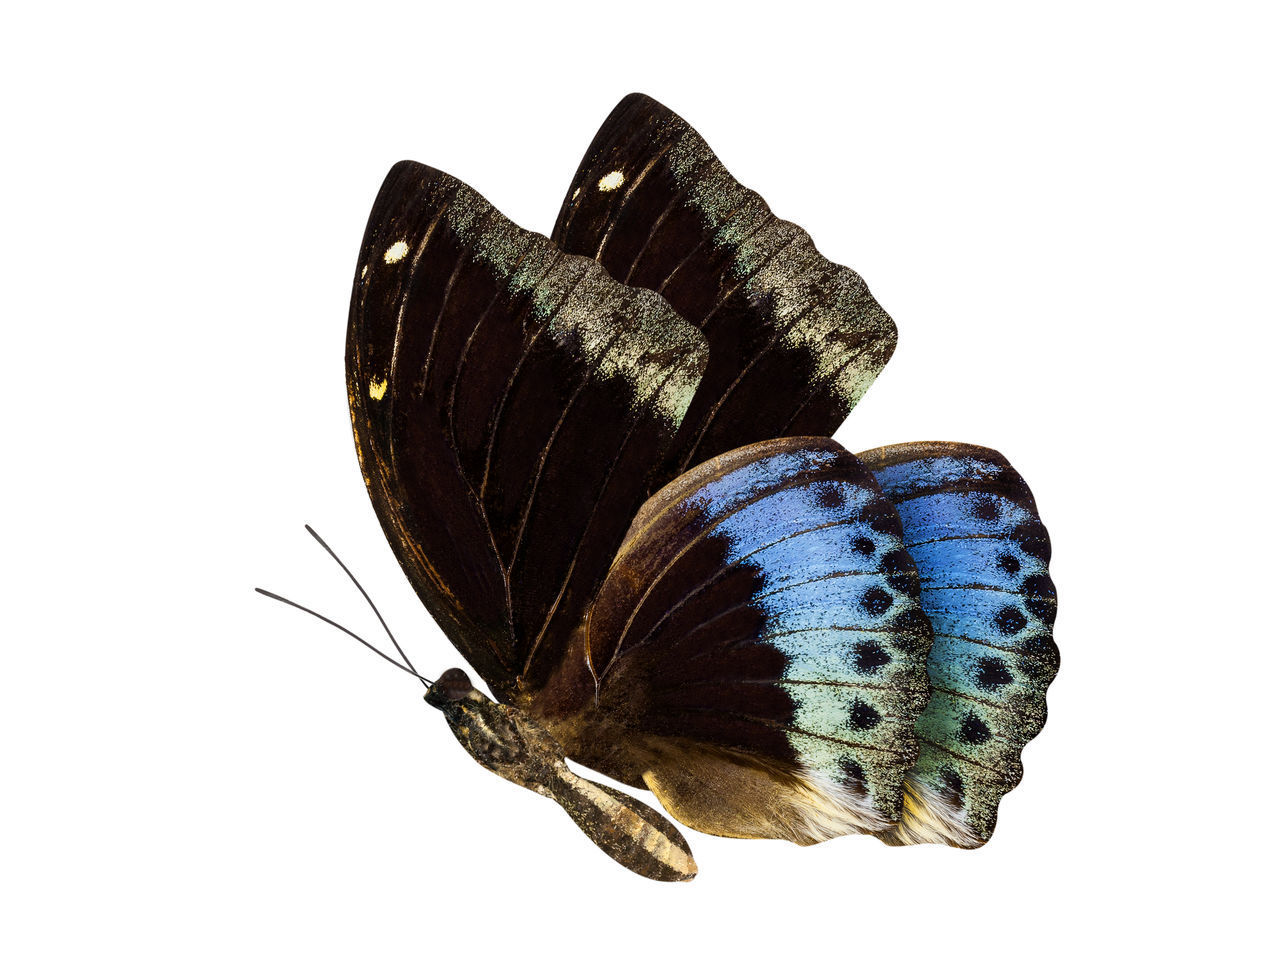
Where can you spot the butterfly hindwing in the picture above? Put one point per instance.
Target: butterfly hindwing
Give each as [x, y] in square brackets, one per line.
[971, 527]
[795, 339]
[756, 653]
[509, 402]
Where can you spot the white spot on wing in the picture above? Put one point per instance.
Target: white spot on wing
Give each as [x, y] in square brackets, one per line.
[377, 389]
[396, 252]
[612, 180]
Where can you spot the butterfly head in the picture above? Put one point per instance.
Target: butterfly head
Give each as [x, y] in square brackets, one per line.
[452, 686]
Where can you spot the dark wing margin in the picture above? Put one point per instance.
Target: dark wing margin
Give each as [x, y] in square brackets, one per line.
[509, 402]
[971, 526]
[760, 642]
[795, 339]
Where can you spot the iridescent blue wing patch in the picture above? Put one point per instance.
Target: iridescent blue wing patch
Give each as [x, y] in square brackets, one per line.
[795, 339]
[760, 641]
[971, 527]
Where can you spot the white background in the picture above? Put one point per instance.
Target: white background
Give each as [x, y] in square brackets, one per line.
[1071, 216]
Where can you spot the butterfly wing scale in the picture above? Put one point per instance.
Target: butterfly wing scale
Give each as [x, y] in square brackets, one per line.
[972, 529]
[795, 339]
[756, 653]
[509, 402]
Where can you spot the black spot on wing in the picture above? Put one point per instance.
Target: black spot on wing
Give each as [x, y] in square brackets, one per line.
[876, 601]
[985, 508]
[953, 786]
[862, 716]
[1038, 658]
[830, 497]
[881, 516]
[870, 656]
[991, 674]
[1033, 539]
[911, 630]
[1010, 564]
[974, 730]
[1010, 620]
[853, 776]
[1042, 599]
[1039, 586]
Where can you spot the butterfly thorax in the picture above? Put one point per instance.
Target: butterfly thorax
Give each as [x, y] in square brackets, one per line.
[588, 720]
[502, 738]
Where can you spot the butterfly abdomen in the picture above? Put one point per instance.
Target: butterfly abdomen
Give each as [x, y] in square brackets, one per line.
[635, 835]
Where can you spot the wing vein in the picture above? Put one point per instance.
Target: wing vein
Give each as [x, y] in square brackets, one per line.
[530, 341]
[706, 623]
[546, 449]
[780, 328]
[626, 196]
[733, 564]
[466, 351]
[604, 485]
[781, 726]
[676, 199]
[788, 483]
[712, 231]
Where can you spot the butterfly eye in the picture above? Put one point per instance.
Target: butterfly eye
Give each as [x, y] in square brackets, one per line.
[453, 685]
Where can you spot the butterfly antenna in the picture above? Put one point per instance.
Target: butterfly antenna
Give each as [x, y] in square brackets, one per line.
[342, 628]
[386, 628]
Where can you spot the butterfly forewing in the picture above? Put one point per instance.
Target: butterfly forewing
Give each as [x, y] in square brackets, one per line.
[795, 339]
[971, 526]
[509, 402]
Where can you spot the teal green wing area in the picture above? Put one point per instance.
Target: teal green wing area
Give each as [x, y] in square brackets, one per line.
[970, 524]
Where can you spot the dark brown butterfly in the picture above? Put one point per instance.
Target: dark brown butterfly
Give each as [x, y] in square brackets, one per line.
[603, 460]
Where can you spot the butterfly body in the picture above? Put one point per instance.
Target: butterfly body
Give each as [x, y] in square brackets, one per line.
[603, 460]
[510, 743]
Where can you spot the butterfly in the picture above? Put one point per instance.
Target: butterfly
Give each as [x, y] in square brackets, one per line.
[604, 462]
